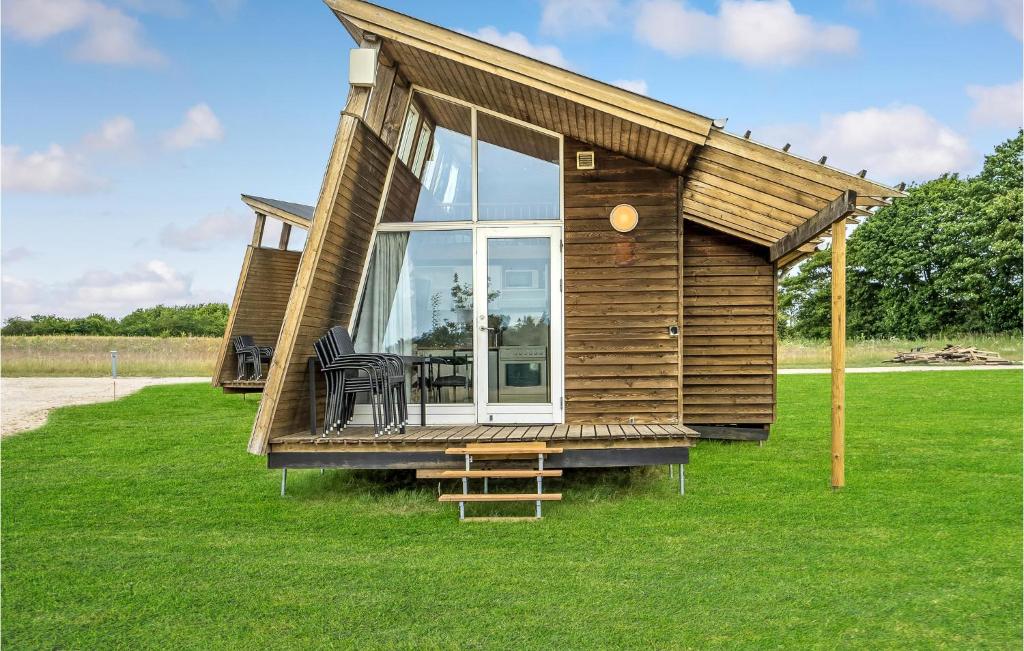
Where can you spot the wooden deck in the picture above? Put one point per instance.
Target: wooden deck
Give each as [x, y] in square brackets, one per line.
[628, 435]
[243, 386]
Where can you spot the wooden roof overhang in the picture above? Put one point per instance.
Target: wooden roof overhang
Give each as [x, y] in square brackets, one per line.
[295, 214]
[730, 183]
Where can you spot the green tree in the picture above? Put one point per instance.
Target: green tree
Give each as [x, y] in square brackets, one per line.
[204, 320]
[946, 258]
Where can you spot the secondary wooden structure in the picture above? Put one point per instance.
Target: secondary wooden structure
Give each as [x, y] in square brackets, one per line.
[466, 215]
[264, 287]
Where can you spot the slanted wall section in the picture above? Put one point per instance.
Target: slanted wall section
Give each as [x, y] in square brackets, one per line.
[621, 292]
[728, 329]
[328, 275]
[259, 305]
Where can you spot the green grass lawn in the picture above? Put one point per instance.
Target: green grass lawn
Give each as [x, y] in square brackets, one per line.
[144, 524]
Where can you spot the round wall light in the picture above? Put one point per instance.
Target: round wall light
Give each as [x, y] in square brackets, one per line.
[624, 218]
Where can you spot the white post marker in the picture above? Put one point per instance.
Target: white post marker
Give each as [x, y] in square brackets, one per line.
[113, 370]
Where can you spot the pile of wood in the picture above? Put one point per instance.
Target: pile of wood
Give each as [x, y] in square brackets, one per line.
[951, 354]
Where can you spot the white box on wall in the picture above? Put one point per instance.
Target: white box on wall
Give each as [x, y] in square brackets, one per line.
[362, 66]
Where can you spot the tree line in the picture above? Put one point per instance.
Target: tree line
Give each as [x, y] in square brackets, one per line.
[945, 259]
[203, 320]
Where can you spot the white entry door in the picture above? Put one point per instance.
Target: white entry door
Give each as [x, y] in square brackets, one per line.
[518, 317]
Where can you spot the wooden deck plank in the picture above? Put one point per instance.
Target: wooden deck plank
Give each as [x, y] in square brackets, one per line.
[417, 434]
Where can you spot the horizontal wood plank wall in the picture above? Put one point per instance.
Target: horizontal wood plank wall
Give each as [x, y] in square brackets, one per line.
[339, 264]
[262, 299]
[402, 195]
[621, 292]
[728, 329]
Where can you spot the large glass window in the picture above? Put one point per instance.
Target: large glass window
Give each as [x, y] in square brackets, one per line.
[418, 300]
[518, 171]
[433, 180]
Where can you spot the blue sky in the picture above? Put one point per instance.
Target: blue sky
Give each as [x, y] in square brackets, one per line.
[130, 127]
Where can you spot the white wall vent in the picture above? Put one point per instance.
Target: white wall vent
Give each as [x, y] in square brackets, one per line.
[362, 66]
[584, 160]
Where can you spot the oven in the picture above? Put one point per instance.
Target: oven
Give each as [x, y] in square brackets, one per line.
[523, 374]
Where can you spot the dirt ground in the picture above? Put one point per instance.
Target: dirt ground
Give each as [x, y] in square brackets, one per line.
[25, 402]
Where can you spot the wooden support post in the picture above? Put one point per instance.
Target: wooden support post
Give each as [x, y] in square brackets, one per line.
[257, 231]
[286, 233]
[838, 353]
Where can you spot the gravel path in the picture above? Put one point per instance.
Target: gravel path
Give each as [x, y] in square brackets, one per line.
[27, 401]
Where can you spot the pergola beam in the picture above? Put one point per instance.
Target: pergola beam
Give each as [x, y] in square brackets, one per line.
[838, 209]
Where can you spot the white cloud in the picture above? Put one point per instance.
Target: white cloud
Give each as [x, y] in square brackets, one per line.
[115, 133]
[518, 43]
[103, 291]
[997, 106]
[206, 232]
[107, 34]
[564, 17]
[634, 85]
[755, 32]
[894, 143]
[200, 125]
[16, 254]
[1009, 12]
[54, 171]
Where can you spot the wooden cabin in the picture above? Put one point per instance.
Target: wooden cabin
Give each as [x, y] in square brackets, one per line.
[589, 267]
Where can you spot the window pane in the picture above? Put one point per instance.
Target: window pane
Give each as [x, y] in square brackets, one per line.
[519, 315]
[518, 171]
[443, 190]
[408, 134]
[421, 150]
[418, 300]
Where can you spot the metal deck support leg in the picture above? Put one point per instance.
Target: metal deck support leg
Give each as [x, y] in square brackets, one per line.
[671, 471]
[682, 480]
[540, 481]
[485, 485]
[284, 480]
[465, 490]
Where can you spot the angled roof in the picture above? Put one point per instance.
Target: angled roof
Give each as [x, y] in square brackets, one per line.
[732, 184]
[296, 214]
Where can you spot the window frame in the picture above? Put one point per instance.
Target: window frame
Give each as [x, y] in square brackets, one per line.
[474, 222]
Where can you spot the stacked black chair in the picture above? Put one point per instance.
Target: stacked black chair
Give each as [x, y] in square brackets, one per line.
[378, 376]
[250, 357]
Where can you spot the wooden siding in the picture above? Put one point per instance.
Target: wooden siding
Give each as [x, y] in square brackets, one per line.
[728, 329]
[621, 292]
[260, 302]
[402, 196]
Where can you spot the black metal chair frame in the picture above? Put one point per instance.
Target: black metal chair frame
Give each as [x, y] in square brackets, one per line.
[250, 356]
[380, 376]
[453, 380]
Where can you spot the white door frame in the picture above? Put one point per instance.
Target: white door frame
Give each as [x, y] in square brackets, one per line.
[518, 412]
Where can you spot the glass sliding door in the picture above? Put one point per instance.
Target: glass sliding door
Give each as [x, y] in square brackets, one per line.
[518, 316]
